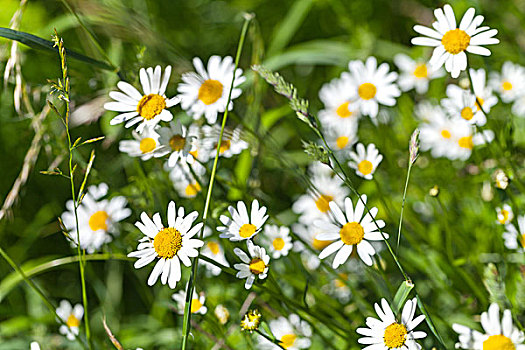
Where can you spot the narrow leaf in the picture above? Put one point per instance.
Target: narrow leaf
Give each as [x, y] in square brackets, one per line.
[401, 295]
[429, 321]
[95, 139]
[38, 43]
[88, 169]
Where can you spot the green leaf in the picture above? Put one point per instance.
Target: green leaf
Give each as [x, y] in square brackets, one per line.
[429, 321]
[38, 43]
[401, 295]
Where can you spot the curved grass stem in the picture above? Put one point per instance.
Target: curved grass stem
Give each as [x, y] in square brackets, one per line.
[189, 289]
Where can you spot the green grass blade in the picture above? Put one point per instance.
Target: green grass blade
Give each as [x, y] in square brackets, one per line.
[401, 295]
[38, 43]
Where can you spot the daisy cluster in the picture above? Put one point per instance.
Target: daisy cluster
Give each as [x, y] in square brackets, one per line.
[202, 94]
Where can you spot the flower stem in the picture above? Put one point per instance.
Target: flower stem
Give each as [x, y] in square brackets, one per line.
[403, 205]
[189, 289]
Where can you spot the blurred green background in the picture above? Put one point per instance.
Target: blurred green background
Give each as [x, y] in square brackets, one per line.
[309, 42]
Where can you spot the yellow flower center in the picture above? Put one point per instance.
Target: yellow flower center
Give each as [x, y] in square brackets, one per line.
[214, 247]
[352, 233]
[522, 240]
[365, 167]
[72, 321]
[505, 218]
[195, 305]
[479, 101]
[147, 145]
[498, 342]
[340, 282]
[446, 134]
[210, 91]
[150, 106]
[225, 145]
[167, 242]
[177, 142]
[195, 153]
[278, 243]
[341, 142]
[97, 221]
[257, 266]
[507, 85]
[322, 203]
[318, 244]
[421, 71]
[466, 142]
[367, 91]
[343, 110]
[192, 189]
[395, 335]
[247, 230]
[466, 113]
[287, 340]
[455, 41]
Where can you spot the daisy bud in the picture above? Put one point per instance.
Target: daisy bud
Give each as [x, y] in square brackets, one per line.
[501, 180]
[434, 191]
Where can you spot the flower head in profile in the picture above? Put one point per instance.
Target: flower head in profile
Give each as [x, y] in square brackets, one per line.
[504, 215]
[415, 74]
[71, 316]
[336, 96]
[278, 239]
[231, 142]
[148, 108]
[515, 236]
[242, 226]
[371, 86]
[197, 302]
[251, 320]
[451, 42]
[499, 334]
[145, 145]
[291, 333]
[171, 245]
[365, 160]
[351, 228]
[389, 332]
[97, 218]
[253, 266]
[205, 92]
[222, 314]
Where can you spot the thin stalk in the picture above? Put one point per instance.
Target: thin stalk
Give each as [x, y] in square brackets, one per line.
[403, 205]
[33, 286]
[189, 290]
[278, 343]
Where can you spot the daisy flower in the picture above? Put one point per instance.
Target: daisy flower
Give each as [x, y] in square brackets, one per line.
[71, 316]
[309, 234]
[97, 218]
[436, 130]
[213, 250]
[222, 314]
[187, 186]
[482, 91]
[314, 204]
[352, 228]
[148, 108]
[197, 302]
[342, 137]
[505, 214]
[242, 226]
[177, 140]
[278, 239]
[499, 334]
[388, 332]
[365, 161]
[461, 104]
[253, 266]
[518, 108]
[250, 321]
[371, 86]
[336, 99]
[172, 244]
[231, 143]
[145, 145]
[510, 84]
[34, 346]
[206, 91]
[514, 237]
[292, 333]
[415, 74]
[466, 139]
[339, 288]
[451, 42]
